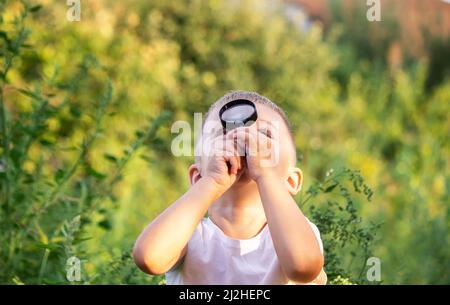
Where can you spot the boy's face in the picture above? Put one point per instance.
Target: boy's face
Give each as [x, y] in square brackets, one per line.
[268, 119]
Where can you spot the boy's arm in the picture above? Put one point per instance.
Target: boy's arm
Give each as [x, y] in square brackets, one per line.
[295, 243]
[294, 240]
[163, 242]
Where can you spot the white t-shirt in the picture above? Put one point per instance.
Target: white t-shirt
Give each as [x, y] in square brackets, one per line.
[214, 258]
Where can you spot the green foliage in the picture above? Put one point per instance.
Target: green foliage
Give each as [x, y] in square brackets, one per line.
[348, 242]
[85, 167]
[47, 208]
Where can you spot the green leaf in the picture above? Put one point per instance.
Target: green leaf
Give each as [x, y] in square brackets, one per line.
[148, 159]
[4, 35]
[75, 111]
[59, 175]
[93, 173]
[16, 280]
[35, 8]
[110, 157]
[80, 240]
[49, 246]
[107, 97]
[331, 187]
[31, 94]
[46, 142]
[105, 224]
[139, 134]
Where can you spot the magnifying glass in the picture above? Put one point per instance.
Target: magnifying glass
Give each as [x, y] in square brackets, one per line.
[237, 113]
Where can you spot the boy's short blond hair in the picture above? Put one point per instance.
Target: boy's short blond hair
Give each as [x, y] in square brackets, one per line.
[255, 98]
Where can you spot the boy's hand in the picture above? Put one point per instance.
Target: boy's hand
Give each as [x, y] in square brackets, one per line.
[261, 147]
[221, 152]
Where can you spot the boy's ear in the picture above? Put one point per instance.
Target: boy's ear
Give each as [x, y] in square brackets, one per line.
[294, 180]
[194, 173]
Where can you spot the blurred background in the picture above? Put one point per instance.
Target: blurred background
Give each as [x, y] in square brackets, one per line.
[87, 107]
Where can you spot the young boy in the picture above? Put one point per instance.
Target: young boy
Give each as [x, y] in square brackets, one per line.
[255, 232]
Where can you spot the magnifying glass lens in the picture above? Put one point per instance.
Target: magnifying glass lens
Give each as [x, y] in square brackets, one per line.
[237, 113]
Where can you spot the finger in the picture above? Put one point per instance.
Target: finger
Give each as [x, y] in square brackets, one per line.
[265, 139]
[231, 147]
[223, 143]
[241, 140]
[234, 164]
[269, 129]
[252, 145]
[230, 134]
[233, 153]
[247, 142]
[240, 165]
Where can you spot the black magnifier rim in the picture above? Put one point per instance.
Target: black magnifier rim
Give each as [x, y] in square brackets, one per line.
[253, 117]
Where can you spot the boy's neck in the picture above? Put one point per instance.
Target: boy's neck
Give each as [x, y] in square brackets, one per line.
[239, 212]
